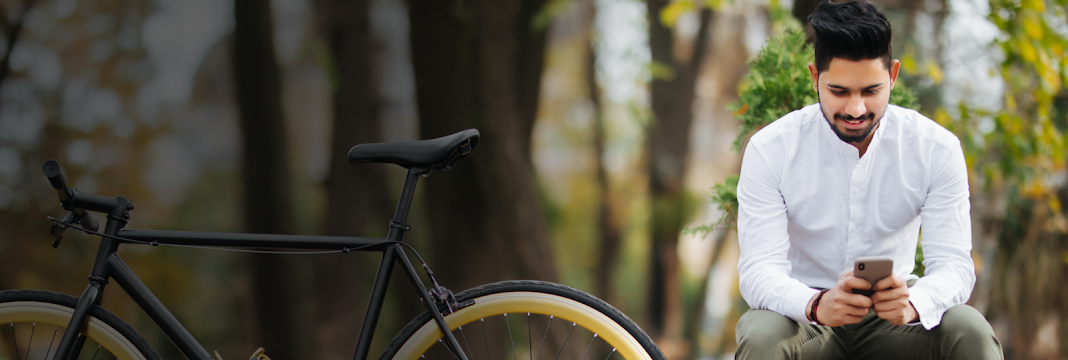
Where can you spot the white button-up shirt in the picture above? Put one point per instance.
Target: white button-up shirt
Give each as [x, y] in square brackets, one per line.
[809, 205]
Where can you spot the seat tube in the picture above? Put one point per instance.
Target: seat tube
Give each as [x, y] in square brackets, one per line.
[71, 343]
[397, 227]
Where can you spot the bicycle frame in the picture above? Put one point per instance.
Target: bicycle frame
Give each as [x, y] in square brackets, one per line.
[109, 265]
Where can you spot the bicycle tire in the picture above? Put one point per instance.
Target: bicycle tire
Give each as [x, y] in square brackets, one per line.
[525, 298]
[104, 331]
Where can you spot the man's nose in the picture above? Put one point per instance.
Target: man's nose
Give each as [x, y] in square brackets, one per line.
[856, 107]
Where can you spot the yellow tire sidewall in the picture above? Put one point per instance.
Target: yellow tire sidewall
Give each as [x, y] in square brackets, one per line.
[521, 302]
[59, 315]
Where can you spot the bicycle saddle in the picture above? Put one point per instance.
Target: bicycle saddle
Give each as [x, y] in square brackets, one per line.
[434, 155]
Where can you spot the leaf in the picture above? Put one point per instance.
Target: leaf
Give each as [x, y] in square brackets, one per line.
[908, 63]
[1035, 5]
[671, 13]
[741, 110]
[934, 72]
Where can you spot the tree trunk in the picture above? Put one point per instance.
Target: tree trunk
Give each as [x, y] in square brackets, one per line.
[478, 64]
[668, 136]
[267, 203]
[358, 199]
[608, 251]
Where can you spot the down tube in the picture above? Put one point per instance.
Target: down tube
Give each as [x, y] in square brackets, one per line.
[374, 307]
[155, 309]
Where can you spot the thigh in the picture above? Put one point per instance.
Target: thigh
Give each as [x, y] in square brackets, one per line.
[879, 339]
[763, 334]
[963, 333]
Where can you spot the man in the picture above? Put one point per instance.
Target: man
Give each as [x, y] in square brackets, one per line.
[853, 176]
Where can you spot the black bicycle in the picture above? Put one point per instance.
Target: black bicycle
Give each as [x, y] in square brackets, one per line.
[503, 320]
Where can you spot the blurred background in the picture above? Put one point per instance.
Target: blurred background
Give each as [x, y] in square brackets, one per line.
[605, 123]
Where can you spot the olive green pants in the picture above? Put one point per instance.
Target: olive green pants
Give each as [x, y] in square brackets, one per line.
[963, 333]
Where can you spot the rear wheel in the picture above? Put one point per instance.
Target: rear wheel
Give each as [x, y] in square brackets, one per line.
[32, 323]
[526, 320]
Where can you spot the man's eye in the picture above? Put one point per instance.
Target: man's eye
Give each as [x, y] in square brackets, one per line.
[838, 92]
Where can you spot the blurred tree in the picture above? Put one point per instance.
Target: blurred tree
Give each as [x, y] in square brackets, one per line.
[1018, 157]
[267, 203]
[609, 230]
[12, 26]
[675, 67]
[357, 196]
[478, 64]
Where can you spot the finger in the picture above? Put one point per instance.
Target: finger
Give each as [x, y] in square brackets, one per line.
[846, 274]
[856, 300]
[889, 306]
[852, 319]
[890, 294]
[851, 283]
[845, 310]
[895, 318]
[889, 282]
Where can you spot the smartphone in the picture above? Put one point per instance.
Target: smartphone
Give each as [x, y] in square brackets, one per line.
[873, 269]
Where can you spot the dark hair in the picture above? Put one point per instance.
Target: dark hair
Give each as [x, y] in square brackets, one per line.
[853, 31]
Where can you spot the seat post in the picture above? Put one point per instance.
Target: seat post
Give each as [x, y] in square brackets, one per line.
[399, 225]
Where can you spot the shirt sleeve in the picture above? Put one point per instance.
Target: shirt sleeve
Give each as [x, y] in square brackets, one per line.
[763, 268]
[946, 238]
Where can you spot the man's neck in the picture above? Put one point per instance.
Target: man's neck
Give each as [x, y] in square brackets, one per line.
[862, 146]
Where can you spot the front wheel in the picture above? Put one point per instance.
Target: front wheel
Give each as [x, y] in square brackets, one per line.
[526, 320]
[33, 321]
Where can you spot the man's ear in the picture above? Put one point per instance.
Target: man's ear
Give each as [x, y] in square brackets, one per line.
[816, 76]
[895, 66]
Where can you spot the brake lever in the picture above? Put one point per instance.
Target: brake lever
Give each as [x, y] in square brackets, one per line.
[86, 221]
[57, 229]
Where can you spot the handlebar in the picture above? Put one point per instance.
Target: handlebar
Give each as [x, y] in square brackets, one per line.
[68, 196]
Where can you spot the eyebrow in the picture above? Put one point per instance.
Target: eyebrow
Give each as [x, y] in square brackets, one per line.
[869, 87]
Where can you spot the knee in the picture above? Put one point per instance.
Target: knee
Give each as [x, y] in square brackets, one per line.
[964, 324]
[965, 320]
[764, 330]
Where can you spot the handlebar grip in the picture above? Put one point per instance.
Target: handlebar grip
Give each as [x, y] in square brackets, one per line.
[55, 175]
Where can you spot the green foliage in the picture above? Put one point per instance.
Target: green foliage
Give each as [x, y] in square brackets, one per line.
[1019, 146]
[779, 82]
[725, 196]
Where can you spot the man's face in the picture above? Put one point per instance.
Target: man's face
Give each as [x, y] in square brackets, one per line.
[853, 95]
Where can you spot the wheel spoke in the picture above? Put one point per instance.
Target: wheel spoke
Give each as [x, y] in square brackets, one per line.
[530, 340]
[590, 346]
[51, 342]
[13, 341]
[472, 353]
[97, 352]
[485, 339]
[558, 352]
[510, 336]
[610, 354]
[543, 337]
[30, 344]
[447, 347]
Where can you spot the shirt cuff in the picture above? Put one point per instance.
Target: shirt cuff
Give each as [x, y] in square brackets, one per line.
[929, 314]
[796, 300]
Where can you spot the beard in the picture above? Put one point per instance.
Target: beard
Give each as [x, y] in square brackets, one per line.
[852, 139]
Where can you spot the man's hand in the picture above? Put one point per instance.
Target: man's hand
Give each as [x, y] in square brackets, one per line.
[840, 306]
[891, 299]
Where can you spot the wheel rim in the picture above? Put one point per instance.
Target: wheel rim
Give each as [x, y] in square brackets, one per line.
[523, 302]
[58, 315]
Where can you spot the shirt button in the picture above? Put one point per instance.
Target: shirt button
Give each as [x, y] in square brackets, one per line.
[856, 191]
[852, 228]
